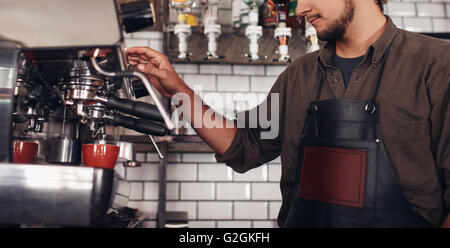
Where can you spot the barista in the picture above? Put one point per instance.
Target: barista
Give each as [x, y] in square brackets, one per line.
[364, 133]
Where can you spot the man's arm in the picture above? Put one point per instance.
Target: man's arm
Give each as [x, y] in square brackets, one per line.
[242, 148]
[165, 79]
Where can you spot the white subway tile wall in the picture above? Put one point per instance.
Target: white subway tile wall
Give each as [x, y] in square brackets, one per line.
[214, 172]
[234, 224]
[187, 206]
[233, 191]
[266, 191]
[441, 25]
[181, 172]
[202, 224]
[215, 210]
[136, 191]
[251, 210]
[417, 25]
[210, 192]
[255, 175]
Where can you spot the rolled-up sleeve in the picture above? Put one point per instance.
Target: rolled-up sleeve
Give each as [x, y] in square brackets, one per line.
[248, 150]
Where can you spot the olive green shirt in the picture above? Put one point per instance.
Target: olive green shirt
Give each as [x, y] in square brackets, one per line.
[414, 105]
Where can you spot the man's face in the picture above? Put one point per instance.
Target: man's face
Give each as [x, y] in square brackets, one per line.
[330, 18]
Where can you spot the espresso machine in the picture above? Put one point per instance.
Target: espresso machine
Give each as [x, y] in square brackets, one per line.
[64, 82]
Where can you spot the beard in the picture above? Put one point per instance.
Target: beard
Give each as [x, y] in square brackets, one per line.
[338, 27]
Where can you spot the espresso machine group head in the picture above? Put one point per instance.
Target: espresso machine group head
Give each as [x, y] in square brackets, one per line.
[64, 82]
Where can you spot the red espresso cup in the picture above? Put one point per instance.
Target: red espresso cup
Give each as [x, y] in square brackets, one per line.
[100, 155]
[24, 152]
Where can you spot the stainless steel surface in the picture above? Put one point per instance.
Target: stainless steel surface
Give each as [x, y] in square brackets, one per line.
[64, 151]
[56, 23]
[96, 111]
[55, 195]
[127, 154]
[8, 76]
[126, 151]
[122, 193]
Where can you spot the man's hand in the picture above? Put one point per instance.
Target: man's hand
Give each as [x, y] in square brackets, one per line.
[158, 70]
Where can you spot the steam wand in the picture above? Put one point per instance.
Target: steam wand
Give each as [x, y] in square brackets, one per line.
[144, 79]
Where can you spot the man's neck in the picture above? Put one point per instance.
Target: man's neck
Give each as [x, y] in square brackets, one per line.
[366, 27]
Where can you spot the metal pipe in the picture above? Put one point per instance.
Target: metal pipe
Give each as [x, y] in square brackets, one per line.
[143, 78]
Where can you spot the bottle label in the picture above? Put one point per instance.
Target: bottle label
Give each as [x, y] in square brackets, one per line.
[292, 5]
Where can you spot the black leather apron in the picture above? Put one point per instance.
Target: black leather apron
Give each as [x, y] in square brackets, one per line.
[344, 177]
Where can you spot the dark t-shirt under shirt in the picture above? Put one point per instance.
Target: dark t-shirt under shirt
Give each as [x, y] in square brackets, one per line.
[346, 65]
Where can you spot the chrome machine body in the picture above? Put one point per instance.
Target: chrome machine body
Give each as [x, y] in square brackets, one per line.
[63, 83]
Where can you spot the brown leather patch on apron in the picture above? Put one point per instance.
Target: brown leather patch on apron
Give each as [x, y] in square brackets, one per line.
[333, 175]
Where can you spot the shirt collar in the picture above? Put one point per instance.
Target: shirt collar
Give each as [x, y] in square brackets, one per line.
[377, 49]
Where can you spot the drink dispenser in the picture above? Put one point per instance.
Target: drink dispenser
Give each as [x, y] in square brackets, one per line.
[253, 31]
[212, 29]
[182, 29]
[282, 32]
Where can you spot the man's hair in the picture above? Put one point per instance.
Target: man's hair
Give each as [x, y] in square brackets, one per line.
[380, 4]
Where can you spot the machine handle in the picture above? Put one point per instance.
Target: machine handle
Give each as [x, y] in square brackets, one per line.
[139, 89]
[139, 109]
[142, 126]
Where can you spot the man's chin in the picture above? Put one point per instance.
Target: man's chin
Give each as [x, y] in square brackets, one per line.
[323, 37]
[331, 35]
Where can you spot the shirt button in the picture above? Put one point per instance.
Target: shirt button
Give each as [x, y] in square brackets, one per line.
[336, 80]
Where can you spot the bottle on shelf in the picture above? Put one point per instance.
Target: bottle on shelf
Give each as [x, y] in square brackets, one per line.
[239, 13]
[183, 28]
[212, 30]
[235, 13]
[281, 10]
[293, 21]
[253, 31]
[269, 12]
[282, 33]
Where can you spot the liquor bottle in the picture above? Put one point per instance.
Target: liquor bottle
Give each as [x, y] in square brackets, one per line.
[270, 14]
[282, 10]
[243, 13]
[291, 16]
[294, 21]
[235, 11]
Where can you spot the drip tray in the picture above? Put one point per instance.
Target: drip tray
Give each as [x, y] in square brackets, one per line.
[56, 195]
